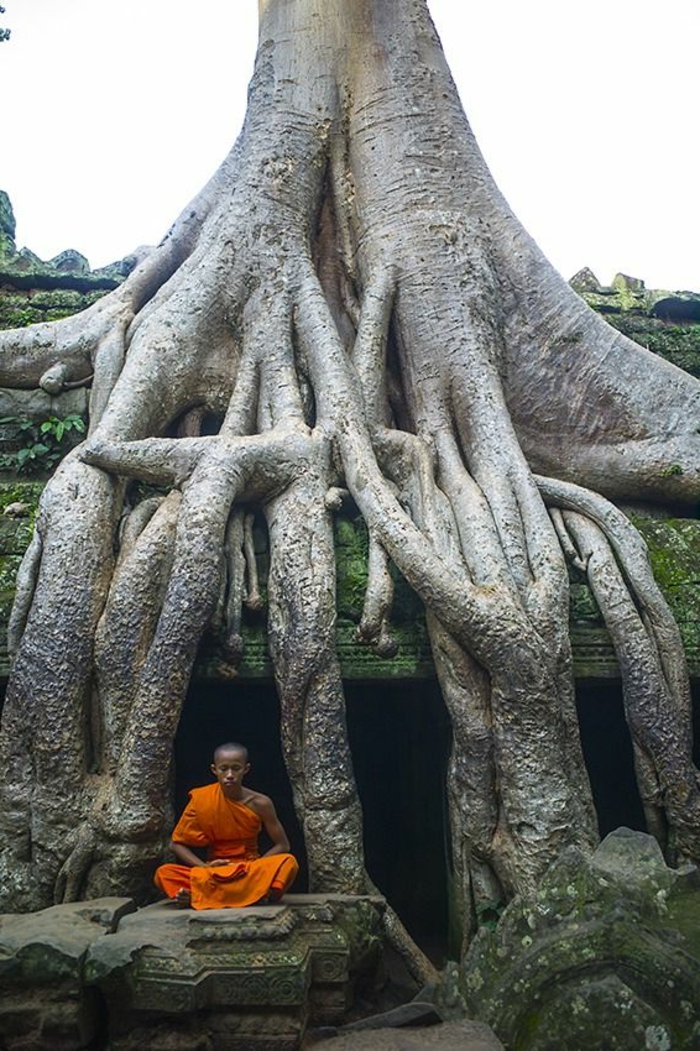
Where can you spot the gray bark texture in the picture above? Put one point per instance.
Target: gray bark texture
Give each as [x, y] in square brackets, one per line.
[355, 300]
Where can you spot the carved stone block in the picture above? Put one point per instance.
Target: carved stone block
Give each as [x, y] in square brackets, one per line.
[609, 946]
[180, 980]
[171, 979]
[44, 1002]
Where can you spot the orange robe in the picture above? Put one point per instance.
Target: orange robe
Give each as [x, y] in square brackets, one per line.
[228, 829]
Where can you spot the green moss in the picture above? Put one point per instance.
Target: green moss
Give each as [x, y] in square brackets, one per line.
[18, 316]
[57, 314]
[9, 564]
[684, 913]
[679, 344]
[7, 218]
[352, 553]
[674, 549]
[59, 298]
[15, 534]
[352, 548]
[13, 492]
[19, 309]
[583, 608]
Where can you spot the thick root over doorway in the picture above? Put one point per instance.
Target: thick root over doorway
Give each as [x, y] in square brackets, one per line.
[348, 307]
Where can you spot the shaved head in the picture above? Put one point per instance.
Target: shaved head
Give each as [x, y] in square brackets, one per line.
[230, 746]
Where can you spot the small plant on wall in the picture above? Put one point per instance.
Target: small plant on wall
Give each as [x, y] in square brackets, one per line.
[43, 443]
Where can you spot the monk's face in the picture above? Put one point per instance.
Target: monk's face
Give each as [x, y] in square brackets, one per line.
[229, 769]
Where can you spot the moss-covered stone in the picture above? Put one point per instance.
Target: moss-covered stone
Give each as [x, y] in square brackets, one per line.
[69, 272]
[9, 564]
[7, 216]
[20, 492]
[352, 546]
[7, 227]
[667, 323]
[605, 955]
[15, 534]
[677, 343]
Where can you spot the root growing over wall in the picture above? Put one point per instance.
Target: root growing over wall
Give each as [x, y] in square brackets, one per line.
[353, 300]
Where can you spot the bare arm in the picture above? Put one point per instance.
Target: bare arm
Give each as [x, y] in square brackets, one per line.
[273, 827]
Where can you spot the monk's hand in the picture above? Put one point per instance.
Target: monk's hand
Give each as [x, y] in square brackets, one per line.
[217, 861]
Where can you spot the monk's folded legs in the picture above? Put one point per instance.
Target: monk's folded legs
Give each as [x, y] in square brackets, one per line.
[229, 886]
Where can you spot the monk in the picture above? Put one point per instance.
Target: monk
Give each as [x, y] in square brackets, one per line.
[225, 818]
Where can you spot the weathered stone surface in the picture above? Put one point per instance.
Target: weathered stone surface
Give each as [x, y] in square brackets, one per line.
[7, 226]
[165, 978]
[607, 955]
[38, 405]
[44, 1002]
[414, 1013]
[450, 1036]
[585, 281]
[667, 323]
[7, 218]
[71, 261]
[249, 978]
[625, 283]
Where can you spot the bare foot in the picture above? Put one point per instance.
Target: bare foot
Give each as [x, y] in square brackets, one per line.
[182, 898]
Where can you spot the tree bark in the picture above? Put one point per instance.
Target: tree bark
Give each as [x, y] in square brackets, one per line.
[354, 299]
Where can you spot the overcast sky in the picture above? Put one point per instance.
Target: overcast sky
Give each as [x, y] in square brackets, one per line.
[115, 114]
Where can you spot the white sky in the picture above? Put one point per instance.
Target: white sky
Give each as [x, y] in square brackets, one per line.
[112, 115]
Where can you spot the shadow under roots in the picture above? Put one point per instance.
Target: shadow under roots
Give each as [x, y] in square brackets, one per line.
[607, 749]
[400, 740]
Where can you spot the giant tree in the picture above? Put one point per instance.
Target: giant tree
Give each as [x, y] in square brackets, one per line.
[354, 303]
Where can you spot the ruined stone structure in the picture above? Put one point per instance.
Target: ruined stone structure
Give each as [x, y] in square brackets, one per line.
[347, 397]
[161, 978]
[155, 993]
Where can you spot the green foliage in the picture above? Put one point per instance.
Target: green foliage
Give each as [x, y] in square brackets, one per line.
[43, 444]
[677, 343]
[18, 317]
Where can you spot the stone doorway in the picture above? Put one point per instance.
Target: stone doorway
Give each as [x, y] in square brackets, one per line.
[607, 748]
[400, 740]
[247, 712]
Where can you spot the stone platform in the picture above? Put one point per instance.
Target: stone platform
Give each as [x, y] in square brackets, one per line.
[104, 974]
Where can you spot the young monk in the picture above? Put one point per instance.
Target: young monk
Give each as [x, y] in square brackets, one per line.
[226, 817]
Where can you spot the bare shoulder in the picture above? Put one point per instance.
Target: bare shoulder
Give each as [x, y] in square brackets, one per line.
[260, 803]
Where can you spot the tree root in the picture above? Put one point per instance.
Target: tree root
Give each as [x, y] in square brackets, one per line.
[660, 734]
[382, 344]
[233, 588]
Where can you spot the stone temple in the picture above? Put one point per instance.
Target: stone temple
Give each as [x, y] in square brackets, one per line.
[173, 982]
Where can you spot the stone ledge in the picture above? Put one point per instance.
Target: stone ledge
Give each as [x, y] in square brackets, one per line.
[163, 977]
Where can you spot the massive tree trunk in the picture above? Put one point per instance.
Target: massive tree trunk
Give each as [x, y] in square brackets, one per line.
[353, 299]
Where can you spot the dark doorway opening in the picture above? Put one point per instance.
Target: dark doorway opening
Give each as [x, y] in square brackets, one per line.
[400, 739]
[607, 748]
[246, 712]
